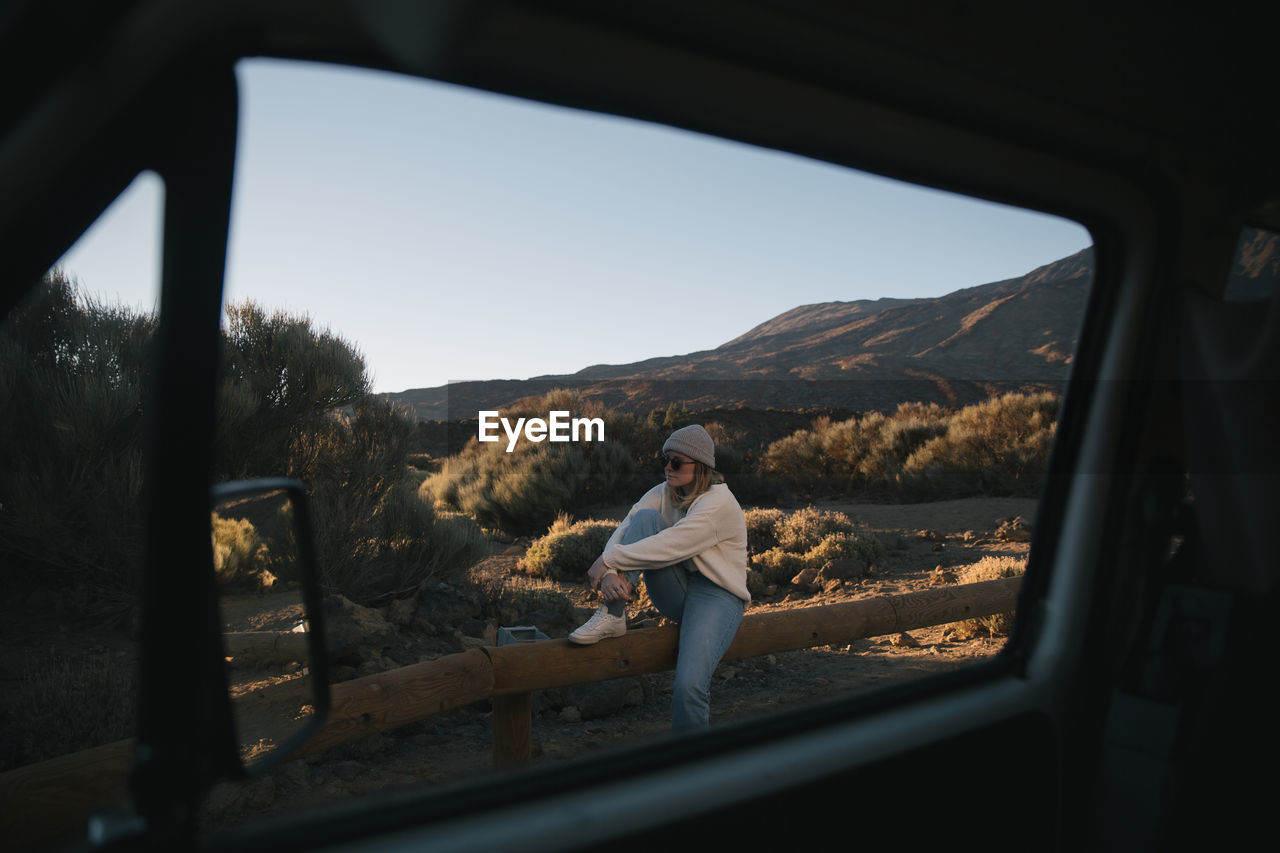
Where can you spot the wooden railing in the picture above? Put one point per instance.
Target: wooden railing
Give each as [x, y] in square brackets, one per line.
[56, 796]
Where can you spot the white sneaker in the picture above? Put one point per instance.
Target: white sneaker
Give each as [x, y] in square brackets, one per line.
[599, 626]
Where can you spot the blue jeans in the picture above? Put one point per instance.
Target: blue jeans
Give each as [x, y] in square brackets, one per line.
[708, 616]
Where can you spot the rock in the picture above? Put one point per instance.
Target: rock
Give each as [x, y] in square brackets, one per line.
[472, 627]
[940, 576]
[402, 611]
[850, 568]
[571, 714]
[832, 586]
[354, 632]
[807, 579]
[904, 639]
[445, 606]
[373, 666]
[1013, 530]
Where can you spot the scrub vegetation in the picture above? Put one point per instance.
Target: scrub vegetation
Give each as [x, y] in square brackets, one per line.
[924, 452]
[294, 401]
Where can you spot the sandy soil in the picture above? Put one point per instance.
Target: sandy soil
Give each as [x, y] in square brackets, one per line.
[920, 540]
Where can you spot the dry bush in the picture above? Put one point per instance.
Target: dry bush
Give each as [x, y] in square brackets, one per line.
[403, 543]
[521, 491]
[807, 538]
[775, 566]
[922, 452]
[517, 599]
[762, 528]
[567, 550]
[800, 459]
[988, 569]
[998, 447]
[240, 556]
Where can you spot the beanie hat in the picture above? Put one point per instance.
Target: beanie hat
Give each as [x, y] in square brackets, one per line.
[695, 442]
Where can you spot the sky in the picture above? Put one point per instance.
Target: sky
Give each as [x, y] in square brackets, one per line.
[452, 235]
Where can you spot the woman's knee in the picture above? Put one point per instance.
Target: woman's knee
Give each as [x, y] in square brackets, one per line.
[644, 523]
[647, 518]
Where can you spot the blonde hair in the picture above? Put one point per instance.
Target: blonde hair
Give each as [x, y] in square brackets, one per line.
[704, 477]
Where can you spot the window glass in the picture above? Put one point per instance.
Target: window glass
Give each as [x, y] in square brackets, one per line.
[414, 268]
[1255, 270]
[74, 369]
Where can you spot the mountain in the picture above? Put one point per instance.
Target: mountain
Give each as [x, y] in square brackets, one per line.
[860, 355]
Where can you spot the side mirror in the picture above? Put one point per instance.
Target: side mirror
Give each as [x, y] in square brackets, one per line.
[270, 607]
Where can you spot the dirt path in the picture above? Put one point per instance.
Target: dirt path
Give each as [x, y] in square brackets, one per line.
[922, 541]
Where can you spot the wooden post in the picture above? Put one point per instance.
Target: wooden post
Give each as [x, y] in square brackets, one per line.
[522, 667]
[384, 701]
[512, 730]
[268, 646]
[58, 796]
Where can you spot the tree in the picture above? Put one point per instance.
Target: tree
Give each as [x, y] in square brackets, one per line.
[73, 380]
[283, 379]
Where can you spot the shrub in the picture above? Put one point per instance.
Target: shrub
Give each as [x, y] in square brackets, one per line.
[73, 377]
[424, 462]
[805, 528]
[922, 452]
[282, 380]
[800, 459]
[239, 555]
[988, 569]
[844, 546]
[808, 538]
[567, 552]
[294, 400]
[520, 597]
[762, 528]
[521, 491]
[776, 566]
[404, 542]
[1000, 447]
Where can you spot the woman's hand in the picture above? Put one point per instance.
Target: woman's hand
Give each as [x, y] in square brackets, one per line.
[596, 573]
[615, 588]
[612, 586]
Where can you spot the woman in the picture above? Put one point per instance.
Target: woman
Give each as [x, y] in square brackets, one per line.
[689, 537]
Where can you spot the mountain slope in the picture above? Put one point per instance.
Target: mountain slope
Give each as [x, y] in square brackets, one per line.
[867, 354]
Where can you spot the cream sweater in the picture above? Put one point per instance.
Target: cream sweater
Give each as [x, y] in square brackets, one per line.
[711, 533]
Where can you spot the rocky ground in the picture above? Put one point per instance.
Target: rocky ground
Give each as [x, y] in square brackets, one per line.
[926, 545]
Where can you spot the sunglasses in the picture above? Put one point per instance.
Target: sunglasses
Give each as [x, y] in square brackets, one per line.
[676, 464]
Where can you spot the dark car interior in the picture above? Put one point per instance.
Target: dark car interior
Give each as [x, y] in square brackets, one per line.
[1126, 711]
